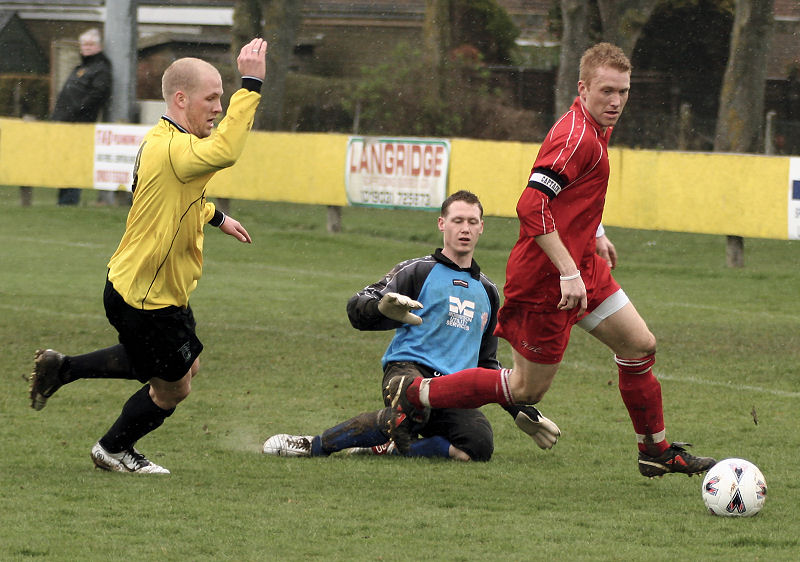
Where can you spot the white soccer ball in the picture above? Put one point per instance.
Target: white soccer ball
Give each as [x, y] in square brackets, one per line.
[734, 488]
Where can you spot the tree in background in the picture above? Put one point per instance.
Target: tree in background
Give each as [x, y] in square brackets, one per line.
[684, 42]
[621, 23]
[282, 19]
[276, 21]
[689, 41]
[680, 59]
[459, 30]
[741, 108]
[247, 23]
[574, 25]
[741, 105]
[437, 40]
[481, 24]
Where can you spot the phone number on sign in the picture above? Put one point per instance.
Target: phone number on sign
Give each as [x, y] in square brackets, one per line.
[395, 198]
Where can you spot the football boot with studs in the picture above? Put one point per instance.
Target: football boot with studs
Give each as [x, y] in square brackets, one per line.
[403, 413]
[285, 445]
[129, 460]
[46, 376]
[674, 459]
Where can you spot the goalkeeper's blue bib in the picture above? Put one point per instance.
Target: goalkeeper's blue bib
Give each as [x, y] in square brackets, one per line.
[454, 318]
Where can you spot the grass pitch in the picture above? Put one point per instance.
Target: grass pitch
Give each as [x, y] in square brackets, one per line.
[281, 357]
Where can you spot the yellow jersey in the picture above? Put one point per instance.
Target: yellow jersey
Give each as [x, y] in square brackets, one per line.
[160, 256]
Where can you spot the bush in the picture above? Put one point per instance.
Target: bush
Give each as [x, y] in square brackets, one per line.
[314, 103]
[487, 26]
[405, 97]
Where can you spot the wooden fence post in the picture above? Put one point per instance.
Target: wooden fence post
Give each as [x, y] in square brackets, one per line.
[335, 211]
[734, 252]
[334, 219]
[26, 195]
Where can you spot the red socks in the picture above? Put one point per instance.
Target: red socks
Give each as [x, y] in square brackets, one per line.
[470, 388]
[641, 393]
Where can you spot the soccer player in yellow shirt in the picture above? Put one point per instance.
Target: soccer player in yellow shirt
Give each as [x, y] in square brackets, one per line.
[160, 256]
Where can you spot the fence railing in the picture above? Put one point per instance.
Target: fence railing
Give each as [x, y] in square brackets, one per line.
[703, 192]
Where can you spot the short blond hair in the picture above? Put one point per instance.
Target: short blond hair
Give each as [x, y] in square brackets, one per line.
[182, 75]
[603, 54]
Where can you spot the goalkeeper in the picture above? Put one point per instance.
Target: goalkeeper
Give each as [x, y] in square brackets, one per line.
[443, 311]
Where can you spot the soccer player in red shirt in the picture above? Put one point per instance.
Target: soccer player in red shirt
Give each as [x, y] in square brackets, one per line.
[556, 279]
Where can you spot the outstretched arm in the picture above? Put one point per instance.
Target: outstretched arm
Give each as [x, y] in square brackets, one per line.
[404, 281]
[398, 307]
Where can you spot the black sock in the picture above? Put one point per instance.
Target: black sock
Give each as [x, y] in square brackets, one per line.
[109, 363]
[140, 415]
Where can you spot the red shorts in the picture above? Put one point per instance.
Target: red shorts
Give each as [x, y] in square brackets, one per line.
[540, 333]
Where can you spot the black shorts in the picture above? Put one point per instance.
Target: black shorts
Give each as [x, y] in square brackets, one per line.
[160, 343]
[469, 430]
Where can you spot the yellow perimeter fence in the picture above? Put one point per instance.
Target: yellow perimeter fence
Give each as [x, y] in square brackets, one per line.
[742, 195]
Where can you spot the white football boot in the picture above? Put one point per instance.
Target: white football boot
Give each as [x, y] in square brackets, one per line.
[126, 461]
[285, 445]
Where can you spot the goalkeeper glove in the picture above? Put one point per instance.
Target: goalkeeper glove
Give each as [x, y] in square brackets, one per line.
[398, 307]
[541, 429]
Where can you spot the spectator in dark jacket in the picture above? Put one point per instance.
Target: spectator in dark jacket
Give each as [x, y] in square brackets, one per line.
[85, 93]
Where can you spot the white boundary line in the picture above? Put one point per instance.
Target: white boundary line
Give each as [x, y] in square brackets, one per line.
[55, 242]
[659, 375]
[662, 376]
[728, 384]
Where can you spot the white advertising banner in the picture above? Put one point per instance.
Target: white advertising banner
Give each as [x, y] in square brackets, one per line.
[115, 148]
[794, 199]
[397, 172]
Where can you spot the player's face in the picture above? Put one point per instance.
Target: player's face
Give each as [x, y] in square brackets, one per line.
[605, 95]
[203, 104]
[462, 227]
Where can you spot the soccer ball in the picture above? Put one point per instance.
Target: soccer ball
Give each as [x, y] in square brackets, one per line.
[734, 488]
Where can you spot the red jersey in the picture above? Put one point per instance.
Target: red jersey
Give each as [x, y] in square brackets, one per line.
[566, 192]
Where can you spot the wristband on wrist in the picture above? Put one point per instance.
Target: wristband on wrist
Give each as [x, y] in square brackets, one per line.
[601, 231]
[570, 277]
[217, 219]
[252, 83]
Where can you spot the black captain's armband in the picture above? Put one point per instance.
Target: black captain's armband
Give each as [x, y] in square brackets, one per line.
[546, 181]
